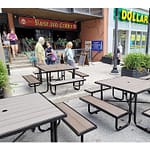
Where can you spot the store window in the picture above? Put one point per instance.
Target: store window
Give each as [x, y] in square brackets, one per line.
[122, 34]
[132, 40]
[138, 41]
[144, 36]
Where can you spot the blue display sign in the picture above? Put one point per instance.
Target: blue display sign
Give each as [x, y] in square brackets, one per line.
[97, 45]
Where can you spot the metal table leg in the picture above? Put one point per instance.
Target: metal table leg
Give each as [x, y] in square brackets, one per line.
[53, 131]
[135, 119]
[47, 85]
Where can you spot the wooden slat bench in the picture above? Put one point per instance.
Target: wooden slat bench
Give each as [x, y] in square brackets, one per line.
[80, 74]
[39, 75]
[95, 90]
[147, 112]
[77, 122]
[68, 81]
[106, 107]
[32, 81]
[146, 78]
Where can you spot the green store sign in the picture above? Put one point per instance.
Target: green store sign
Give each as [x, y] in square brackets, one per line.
[131, 16]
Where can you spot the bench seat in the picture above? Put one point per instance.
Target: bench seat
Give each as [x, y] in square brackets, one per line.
[147, 113]
[145, 77]
[106, 107]
[95, 90]
[32, 81]
[77, 122]
[63, 82]
[79, 73]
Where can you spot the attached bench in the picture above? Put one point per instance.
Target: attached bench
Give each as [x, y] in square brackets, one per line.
[80, 74]
[62, 82]
[95, 90]
[32, 81]
[39, 75]
[60, 75]
[77, 122]
[146, 78]
[147, 112]
[106, 107]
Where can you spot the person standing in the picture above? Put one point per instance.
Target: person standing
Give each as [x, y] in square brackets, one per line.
[119, 53]
[13, 42]
[39, 51]
[49, 53]
[5, 40]
[118, 56]
[120, 48]
[69, 54]
[6, 46]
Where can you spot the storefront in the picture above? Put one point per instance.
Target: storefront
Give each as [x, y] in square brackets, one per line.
[3, 22]
[57, 32]
[132, 29]
[61, 25]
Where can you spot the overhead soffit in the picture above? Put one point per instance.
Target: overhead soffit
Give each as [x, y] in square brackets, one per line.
[48, 14]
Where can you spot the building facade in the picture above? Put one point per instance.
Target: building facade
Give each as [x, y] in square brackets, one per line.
[59, 25]
[79, 25]
[132, 29]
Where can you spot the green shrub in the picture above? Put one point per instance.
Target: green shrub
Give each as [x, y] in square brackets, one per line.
[3, 75]
[109, 55]
[135, 61]
[147, 61]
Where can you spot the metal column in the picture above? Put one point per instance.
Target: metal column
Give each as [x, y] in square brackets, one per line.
[114, 70]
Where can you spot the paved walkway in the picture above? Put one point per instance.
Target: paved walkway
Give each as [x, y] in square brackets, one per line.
[104, 133]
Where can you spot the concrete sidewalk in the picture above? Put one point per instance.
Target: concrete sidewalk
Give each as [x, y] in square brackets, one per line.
[105, 131]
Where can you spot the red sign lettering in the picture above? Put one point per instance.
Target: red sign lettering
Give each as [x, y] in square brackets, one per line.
[32, 22]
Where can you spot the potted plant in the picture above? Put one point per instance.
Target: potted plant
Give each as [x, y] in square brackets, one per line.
[134, 65]
[3, 79]
[147, 62]
[107, 58]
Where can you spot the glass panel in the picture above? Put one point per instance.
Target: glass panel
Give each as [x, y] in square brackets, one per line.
[96, 11]
[132, 40]
[82, 10]
[61, 9]
[144, 36]
[138, 40]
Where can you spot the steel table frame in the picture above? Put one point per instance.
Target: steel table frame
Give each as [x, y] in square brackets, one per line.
[14, 115]
[48, 69]
[133, 87]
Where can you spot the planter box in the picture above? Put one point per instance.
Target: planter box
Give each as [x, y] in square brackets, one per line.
[133, 73]
[106, 59]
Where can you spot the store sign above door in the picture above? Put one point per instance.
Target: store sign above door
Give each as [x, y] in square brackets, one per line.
[135, 17]
[43, 23]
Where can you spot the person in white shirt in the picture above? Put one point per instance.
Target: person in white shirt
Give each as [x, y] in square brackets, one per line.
[120, 47]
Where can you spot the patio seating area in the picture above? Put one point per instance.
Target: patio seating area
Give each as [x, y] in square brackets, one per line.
[105, 132]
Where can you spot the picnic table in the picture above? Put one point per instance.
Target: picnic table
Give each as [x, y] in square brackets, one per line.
[20, 113]
[48, 69]
[128, 85]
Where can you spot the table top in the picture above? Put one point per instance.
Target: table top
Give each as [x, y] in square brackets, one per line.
[56, 67]
[129, 84]
[23, 112]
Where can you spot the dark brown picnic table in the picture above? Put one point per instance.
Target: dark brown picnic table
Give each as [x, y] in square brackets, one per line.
[20, 113]
[127, 85]
[48, 69]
